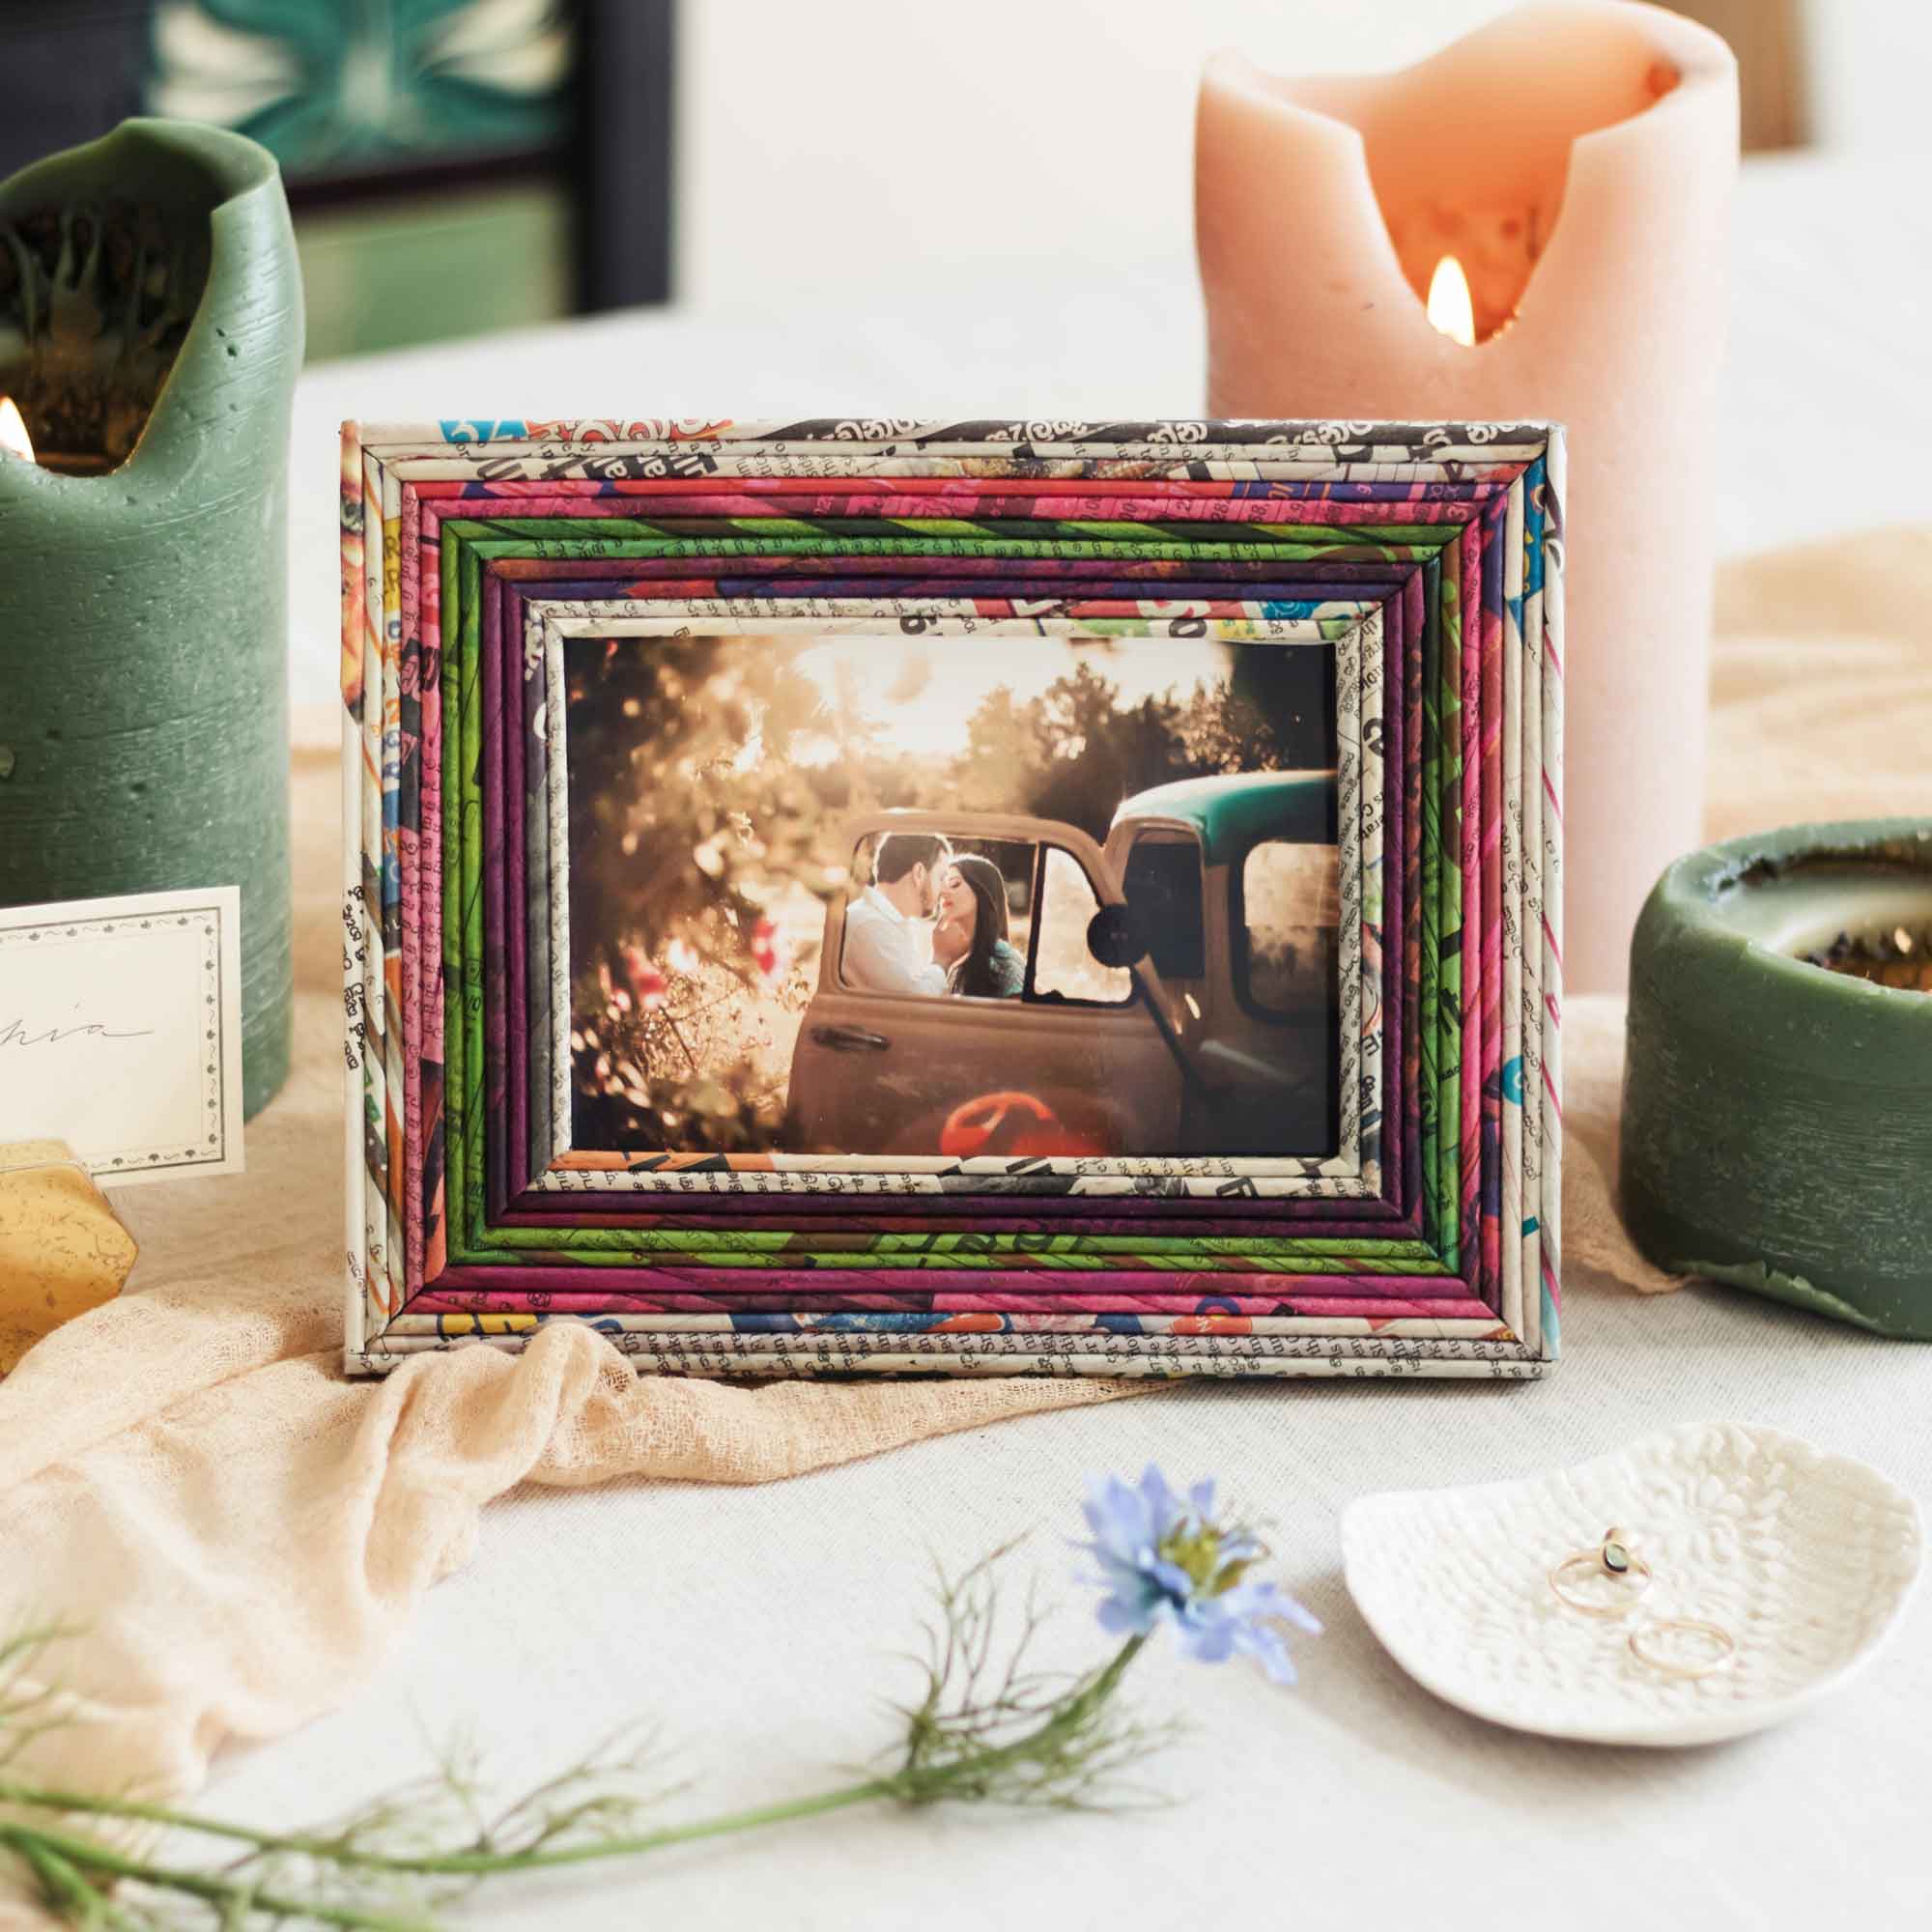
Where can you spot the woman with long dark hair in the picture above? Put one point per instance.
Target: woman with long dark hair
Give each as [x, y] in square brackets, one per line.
[971, 930]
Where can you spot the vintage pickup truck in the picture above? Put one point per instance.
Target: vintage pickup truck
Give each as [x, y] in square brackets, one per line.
[1179, 995]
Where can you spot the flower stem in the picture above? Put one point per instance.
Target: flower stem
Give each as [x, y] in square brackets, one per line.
[1038, 1742]
[475, 1863]
[64, 1862]
[65, 1866]
[444, 1865]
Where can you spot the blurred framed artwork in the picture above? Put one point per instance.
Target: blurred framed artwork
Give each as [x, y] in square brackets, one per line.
[416, 140]
[983, 896]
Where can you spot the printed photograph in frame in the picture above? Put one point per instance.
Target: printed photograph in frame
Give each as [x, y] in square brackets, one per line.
[864, 898]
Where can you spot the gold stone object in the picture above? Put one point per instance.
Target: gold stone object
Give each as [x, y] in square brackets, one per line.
[62, 1250]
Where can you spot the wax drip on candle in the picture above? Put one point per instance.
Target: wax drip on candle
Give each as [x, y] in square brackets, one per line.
[1449, 308]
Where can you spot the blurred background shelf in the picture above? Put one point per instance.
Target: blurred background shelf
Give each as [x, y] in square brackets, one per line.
[427, 144]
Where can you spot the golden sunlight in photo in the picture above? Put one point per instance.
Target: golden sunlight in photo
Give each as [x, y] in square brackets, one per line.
[14, 438]
[923, 703]
[1449, 308]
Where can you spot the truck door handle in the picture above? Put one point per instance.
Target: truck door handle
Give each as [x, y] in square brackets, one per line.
[849, 1039]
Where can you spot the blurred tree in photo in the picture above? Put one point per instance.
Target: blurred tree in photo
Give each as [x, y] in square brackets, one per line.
[1077, 752]
[692, 836]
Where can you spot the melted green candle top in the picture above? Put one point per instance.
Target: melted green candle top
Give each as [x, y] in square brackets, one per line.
[1777, 1115]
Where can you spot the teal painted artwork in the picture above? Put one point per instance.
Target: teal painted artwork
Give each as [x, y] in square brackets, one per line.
[340, 86]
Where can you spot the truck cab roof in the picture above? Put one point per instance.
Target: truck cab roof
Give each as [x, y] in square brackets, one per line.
[1230, 813]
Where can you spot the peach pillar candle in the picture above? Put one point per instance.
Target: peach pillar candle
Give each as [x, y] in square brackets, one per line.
[1576, 158]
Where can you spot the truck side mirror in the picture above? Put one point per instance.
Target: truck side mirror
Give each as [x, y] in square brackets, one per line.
[1116, 936]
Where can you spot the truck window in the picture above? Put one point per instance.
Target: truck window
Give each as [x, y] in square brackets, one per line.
[1061, 967]
[1287, 916]
[890, 940]
[887, 937]
[1163, 887]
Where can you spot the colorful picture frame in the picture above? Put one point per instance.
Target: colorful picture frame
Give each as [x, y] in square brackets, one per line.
[481, 560]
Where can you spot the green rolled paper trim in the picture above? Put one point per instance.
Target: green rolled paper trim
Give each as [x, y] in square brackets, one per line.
[1777, 1115]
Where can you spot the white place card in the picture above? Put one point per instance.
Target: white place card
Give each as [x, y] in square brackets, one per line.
[120, 1031]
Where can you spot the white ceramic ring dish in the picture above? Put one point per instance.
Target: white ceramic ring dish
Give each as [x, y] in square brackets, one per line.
[1804, 1556]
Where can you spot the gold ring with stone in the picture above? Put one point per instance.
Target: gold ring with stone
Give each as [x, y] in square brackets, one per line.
[1614, 1558]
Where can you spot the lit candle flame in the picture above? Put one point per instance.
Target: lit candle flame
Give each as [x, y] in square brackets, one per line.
[1449, 306]
[13, 437]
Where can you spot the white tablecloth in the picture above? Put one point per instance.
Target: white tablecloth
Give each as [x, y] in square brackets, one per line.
[759, 1626]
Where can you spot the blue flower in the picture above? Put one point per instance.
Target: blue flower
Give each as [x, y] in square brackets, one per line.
[1163, 1558]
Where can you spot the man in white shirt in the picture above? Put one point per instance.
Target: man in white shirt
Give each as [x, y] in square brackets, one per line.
[881, 953]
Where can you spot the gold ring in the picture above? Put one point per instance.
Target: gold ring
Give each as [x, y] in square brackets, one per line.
[1612, 1558]
[1692, 1626]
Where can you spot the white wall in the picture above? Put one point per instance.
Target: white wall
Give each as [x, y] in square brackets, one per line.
[841, 143]
[830, 143]
[1870, 60]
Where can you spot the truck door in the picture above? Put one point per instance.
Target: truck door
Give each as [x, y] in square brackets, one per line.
[1076, 1064]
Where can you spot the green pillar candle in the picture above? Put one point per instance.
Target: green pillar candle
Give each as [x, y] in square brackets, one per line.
[1778, 1094]
[151, 327]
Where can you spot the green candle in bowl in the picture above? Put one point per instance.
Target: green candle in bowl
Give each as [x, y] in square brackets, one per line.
[151, 327]
[1778, 1094]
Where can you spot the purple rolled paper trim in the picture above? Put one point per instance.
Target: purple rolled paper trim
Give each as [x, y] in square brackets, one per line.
[808, 576]
[508, 1032]
[540, 497]
[1124, 1216]
[554, 1209]
[781, 1288]
[1474, 1073]
[1413, 619]
[1453, 1306]
[1401, 1158]
[516, 936]
[856, 494]
[495, 968]
[499, 727]
[1491, 672]
[537, 497]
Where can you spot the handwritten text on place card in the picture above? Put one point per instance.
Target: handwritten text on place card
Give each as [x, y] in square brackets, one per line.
[120, 1032]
